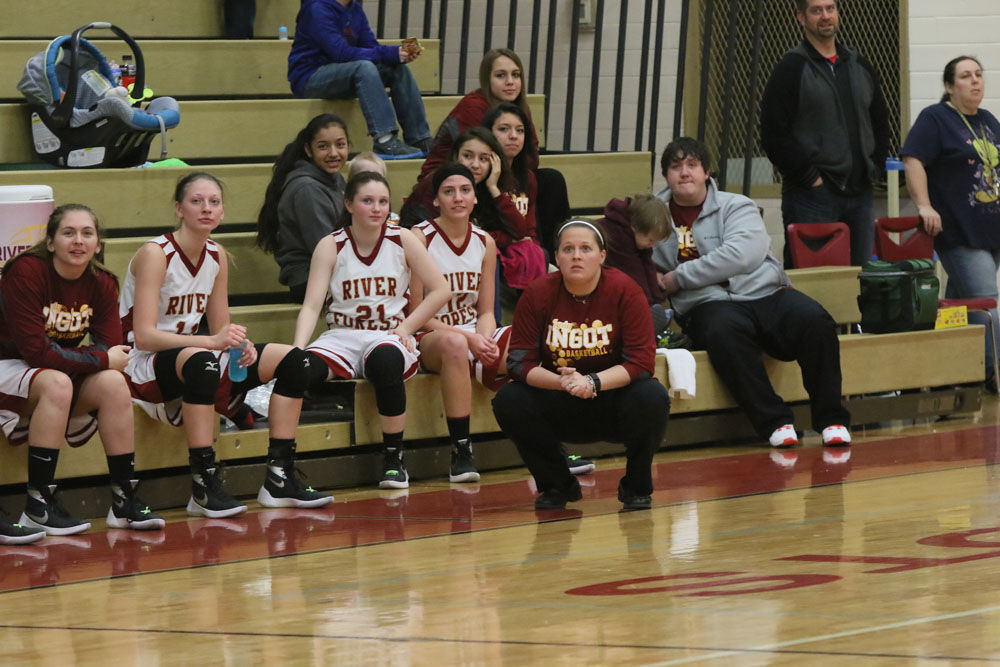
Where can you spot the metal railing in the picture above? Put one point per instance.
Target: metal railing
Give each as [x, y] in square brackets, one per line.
[556, 35]
[742, 40]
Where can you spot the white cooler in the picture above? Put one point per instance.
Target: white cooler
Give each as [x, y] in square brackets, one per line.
[24, 211]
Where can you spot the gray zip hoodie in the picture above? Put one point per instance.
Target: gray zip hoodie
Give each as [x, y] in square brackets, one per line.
[735, 261]
[311, 204]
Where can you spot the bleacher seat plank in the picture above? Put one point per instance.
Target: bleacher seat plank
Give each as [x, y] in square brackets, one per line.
[836, 287]
[870, 364]
[128, 198]
[593, 179]
[159, 446]
[206, 67]
[424, 411]
[251, 270]
[259, 128]
[272, 323]
[45, 19]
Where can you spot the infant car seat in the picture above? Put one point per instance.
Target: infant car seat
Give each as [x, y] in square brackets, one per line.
[79, 117]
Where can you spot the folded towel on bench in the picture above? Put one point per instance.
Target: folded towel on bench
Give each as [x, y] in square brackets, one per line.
[680, 372]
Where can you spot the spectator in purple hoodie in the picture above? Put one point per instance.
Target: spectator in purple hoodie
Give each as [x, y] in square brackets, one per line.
[335, 55]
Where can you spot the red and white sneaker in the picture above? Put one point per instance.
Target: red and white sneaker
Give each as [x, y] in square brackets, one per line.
[784, 436]
[836, 435]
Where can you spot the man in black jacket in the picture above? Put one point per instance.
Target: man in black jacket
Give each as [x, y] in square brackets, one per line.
[825, 126]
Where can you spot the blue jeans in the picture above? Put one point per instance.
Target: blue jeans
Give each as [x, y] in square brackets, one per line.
[972, 273]
[368, 81]
[824, 203]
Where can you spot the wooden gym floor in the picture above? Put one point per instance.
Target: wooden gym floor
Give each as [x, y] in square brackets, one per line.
[884, 554]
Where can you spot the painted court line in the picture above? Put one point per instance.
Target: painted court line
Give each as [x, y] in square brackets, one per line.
[834, 635]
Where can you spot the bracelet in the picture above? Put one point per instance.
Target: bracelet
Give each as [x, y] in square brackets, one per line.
[595, 382]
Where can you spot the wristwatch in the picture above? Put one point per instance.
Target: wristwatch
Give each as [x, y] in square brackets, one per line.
[596, 382]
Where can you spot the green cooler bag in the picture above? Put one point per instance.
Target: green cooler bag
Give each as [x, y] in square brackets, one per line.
[898, 296]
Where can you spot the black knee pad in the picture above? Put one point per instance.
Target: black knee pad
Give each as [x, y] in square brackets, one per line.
[384, 369]
[201, 378]
[316, 370]
[291, 377]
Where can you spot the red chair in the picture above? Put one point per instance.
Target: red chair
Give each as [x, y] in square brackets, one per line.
[915, 243]
[912, 243]
[819, 244]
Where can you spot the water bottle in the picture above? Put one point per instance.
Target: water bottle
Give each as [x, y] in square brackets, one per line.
[237, 373]
[128, 70]
[283, 33]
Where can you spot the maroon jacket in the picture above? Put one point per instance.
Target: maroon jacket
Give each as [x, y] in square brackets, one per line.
[469, 112]
[623, 253]
[45, 317]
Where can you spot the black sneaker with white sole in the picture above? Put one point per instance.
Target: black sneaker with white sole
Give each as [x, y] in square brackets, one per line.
[579, 465]
[394, 475]
[16, 533]
[42, 510]
[283, 488]
[209, 499]
[128, 511]
[463, 465]
[393, 148]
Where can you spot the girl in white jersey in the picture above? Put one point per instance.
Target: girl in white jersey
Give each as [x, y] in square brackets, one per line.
[179, 376]
[366, 268]
[462, 340]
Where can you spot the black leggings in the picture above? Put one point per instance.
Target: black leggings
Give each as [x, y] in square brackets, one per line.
[538, 420]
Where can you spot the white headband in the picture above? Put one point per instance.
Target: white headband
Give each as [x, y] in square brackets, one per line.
[581, 222]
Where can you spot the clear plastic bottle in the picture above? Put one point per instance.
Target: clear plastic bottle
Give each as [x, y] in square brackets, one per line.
[283, 33]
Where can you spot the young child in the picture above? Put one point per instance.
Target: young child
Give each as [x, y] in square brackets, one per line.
[368, 161]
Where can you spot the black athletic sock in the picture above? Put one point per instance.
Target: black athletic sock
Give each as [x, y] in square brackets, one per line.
[458, 430]
[121, 468]
[280, 451]
[42, 467]
[201, 458]
[393, 442]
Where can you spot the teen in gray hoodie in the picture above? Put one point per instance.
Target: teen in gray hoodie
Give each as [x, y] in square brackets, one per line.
[734, 300]
[305, 198]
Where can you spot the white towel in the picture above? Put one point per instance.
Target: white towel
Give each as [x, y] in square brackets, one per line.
[680, 372]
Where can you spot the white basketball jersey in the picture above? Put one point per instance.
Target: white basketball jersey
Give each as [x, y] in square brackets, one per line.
[184, 293]
[462, 267]
[368, 293]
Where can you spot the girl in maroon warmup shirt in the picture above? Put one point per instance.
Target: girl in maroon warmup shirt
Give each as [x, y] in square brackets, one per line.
[582, 355]
[52, 388]
[501, 80]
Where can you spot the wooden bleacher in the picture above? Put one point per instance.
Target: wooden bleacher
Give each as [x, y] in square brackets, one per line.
[236, 112]
[212, 68]
[152, 19]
